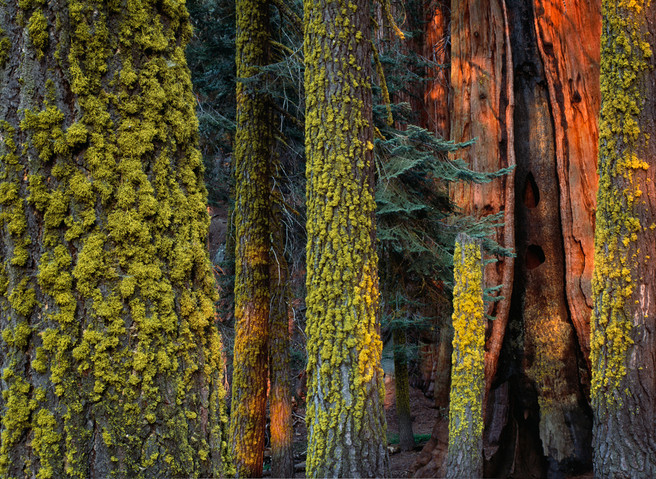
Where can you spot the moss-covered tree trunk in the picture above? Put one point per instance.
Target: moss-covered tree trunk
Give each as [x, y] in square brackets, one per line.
[465, 453]
[110, 358]
[253, 144]
[345, 417]
[623, 339]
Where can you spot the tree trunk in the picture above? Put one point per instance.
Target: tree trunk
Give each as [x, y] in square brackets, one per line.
[253, 145]
[402, 390]
[436, 48]
[623, 341]
[553, 74]
[465, 452]
[567, 35]
[481, 79]
[281, 326]
[345, 417]
[110, 355]
[543, 334]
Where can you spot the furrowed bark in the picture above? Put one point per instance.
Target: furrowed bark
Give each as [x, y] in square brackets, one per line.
[483, 104]
[623, 333]
[345, 417]
[110, 355]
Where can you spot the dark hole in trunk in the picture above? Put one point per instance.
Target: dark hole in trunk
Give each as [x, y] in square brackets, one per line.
[534, 256]
[531, 192]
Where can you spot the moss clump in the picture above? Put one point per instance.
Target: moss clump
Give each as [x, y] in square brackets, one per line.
[5, 48]
[37, 27]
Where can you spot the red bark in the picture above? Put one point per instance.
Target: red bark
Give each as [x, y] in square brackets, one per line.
[568, 36]
[481, 79]
[436, 48]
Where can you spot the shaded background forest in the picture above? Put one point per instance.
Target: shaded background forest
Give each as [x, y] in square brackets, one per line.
[521, 79]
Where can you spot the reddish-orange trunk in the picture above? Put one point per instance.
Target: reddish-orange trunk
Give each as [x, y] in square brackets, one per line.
[525, 84]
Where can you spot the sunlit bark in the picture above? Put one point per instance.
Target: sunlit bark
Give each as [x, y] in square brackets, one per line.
[253, 143]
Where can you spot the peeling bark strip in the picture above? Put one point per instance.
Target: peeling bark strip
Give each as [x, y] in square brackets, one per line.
[253, 144]
[110, 357]
[345, 417]
[483, 104]
[623, 338]
[568, 41]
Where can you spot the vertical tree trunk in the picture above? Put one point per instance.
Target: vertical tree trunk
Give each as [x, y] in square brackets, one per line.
[465, 454]
[110, 356]
[543, 332]
[280, 390]
[553, 73]
[253, 145]
[568, 41]
[436, 118]
[345, 417]
[483, 104]
[437, 49]
[623, 339]
[402, 389]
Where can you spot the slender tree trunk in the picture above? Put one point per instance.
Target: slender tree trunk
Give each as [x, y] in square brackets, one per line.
[281, 324]
[345, 417]
[623, 339]
[402, 383]
[253, 145]
[110, 357]
[465, 454]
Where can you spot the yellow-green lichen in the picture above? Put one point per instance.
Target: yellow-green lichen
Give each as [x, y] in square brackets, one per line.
[117, 187]
[5, 47]
[626, 58]
[345, 387]
[468, 359]
[253, 150]
[37, 28]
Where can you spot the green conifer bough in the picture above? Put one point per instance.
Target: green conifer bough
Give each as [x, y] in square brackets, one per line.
[345, 417]
[110, 358]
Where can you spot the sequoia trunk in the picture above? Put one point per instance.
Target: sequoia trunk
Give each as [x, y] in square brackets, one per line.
[538, 415]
